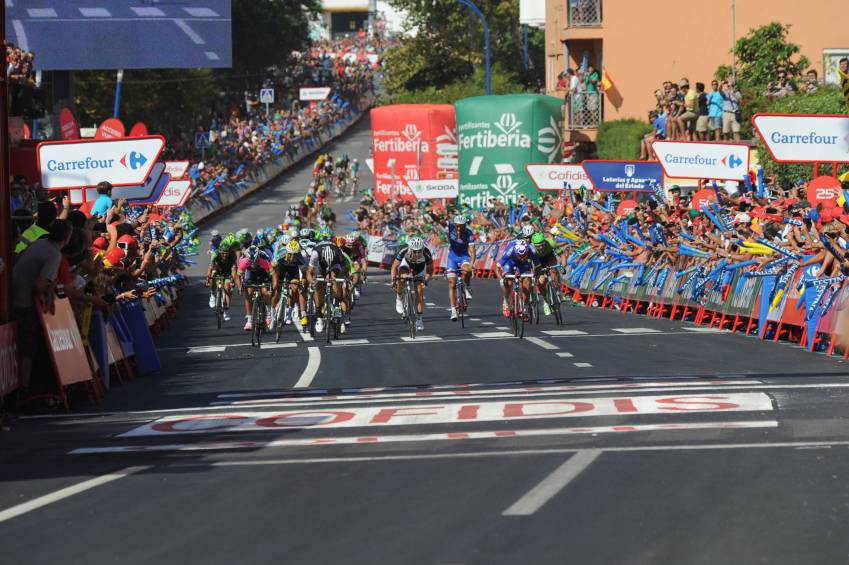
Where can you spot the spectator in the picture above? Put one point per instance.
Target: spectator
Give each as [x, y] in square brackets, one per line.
[687, 120]
[104, 199]
[715, 105]
[33, 278]
[730, 108]
[702, 122]
[811, 83]
[44, 219]
[781, 87]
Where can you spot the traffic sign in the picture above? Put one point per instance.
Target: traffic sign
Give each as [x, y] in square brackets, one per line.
[266, 95]
[703, 160]
[557, 176]
[314, 93]
[84, 163]
[202, 139]
[175, 194]
[624, 176]
[804, 138]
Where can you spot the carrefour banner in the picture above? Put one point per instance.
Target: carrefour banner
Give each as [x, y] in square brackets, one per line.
[412, 142]
[497, 137]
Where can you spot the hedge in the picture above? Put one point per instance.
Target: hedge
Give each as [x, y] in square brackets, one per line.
[620, 139]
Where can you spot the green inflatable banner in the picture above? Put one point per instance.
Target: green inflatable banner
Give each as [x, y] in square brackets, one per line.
[497, 137]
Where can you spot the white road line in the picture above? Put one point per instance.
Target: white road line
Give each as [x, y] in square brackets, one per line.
[212, 55]
[502, 328]
[278, 345]
[487, 323]
[636, 330]
[66, 492]
[564, 332]
[201, 12]
[348, 342]
[582, 365]
[207, 349]
[490, 335]
[21, 34]
[147, 11]
[541, 342]
[311, 369]
[430, 304]
[475, 319]
[41, 12]
[700, 329]
[95, 13]
[198, 40]
[564, 354]
[535, 498]
[420, 338]
[413, 438]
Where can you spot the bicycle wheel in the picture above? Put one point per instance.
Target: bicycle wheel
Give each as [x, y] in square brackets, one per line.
[329, 307]
[280, 314]
[219, 307]
[411, 309]
[534, 309]
[554, 304]
[311, 315]
[520, 314]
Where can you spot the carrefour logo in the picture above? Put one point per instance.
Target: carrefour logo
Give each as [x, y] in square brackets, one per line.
[732, 161]
[133, 160]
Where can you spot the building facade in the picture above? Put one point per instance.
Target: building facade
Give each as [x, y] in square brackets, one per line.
[642, 44]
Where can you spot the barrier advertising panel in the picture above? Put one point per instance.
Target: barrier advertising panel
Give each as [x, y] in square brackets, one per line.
[65, 344]
[703, 160]
[557, 176]
[624, 176]
[498, 136]
[412, 142]
[804, 138]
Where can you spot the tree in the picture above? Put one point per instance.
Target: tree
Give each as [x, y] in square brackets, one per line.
[449, 43]
[761, 53]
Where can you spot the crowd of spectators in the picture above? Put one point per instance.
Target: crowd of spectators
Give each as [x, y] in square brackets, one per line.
[19, 65]
[243, 138]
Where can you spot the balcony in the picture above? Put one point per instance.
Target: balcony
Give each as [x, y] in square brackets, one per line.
[583, 13]
[584, 110]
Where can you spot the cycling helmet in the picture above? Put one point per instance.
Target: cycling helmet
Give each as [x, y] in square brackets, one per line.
[538, 238]
[293, 233]
[460, 219]
[245, 239]
[214, 233]
[293, 247]
[325, 234]
[224, 247]
[253, 254]
[305, 233]
[521, 249]
[328, 254]
[351, 239]
[215, 241]
[415, 243]
[527, 230]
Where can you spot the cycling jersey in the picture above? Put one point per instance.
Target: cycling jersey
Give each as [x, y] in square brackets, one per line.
[356, 251]
[416, 262]
[222, 266]
[255, 274]
[458, 243]
[320, 266]
[511, 262]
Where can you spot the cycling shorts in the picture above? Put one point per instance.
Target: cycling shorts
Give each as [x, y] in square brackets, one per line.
[256, 277]
[290, 272]
[455, 262]
[549, 260]
[417, 269]
[320, 271]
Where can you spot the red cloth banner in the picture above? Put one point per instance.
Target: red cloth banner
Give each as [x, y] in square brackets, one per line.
[110, 129]
[68, 125]
[412, 142]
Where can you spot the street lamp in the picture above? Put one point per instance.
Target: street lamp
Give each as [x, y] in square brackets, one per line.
[472, 7]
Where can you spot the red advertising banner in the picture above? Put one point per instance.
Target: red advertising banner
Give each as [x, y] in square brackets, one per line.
[139, 129]
[823, 190]
[412, 142]
[68, 124]
[110, 129]
[65, 344]
[8, 358]
[703, 197]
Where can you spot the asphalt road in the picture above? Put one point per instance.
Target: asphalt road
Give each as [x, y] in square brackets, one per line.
[612, 439]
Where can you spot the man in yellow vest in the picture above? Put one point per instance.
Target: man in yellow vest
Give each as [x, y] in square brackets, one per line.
[44, 219]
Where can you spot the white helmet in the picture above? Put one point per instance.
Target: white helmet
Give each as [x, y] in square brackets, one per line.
[285, 239]
[327, 254]
[527, 230]
[293, 233]
[460, 219]
[415, 244]
[351, 238]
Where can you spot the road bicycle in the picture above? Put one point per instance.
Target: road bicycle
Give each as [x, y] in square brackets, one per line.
[282, 310]
[461, 300]
[332, 312]
[259, 312]
[552, 294]
[408, 299]
[218, 289]
[516, 305]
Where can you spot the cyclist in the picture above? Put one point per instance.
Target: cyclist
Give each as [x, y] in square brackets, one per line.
[460, 257]
[526, 232]
[214, 242]
[288, 265]
[347, 284]
[354, 176]
[415, 260]
[354, 248]
[222, 264]
[254, 267]
[520, 259]
[548, 253]
[326, 262]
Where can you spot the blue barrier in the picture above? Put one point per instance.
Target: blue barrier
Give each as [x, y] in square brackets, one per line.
[98, 344]
[147, 358]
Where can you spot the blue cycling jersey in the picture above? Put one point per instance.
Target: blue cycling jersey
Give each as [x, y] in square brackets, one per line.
[510, 261]
[458, 243]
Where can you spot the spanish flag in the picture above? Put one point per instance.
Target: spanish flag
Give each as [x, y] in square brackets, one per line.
[606, 81]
